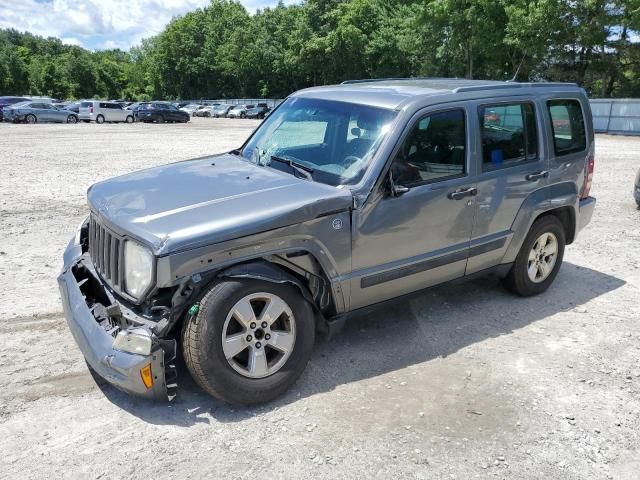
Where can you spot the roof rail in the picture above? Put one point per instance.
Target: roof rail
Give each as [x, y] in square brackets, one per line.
[390, 79]
[500, 86]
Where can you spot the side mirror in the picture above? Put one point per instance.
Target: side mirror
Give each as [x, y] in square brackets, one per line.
[394, 189]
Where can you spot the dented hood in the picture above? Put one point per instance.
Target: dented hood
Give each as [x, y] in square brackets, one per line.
[204, 201]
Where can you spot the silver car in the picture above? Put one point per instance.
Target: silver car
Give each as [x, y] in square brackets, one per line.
[344, 197]
[38, 111]
[239, 111]
[100, 112]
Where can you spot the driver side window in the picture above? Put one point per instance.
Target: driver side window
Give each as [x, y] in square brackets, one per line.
[435, 149]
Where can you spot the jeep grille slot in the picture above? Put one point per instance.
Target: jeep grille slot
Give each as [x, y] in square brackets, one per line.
[105, 249]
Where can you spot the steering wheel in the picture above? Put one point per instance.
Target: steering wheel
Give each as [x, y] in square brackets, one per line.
[350, 160]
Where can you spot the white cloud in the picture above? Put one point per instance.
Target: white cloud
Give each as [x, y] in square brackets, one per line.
[100, 23]
[71, 41]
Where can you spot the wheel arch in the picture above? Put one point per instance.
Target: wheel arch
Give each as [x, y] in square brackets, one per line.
[300, 269]
[560, 200]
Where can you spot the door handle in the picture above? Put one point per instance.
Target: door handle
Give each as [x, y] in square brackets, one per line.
[534, 177]
[465, 192]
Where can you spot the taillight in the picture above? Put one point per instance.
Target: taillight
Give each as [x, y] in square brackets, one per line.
[90, 109]
[588, 174]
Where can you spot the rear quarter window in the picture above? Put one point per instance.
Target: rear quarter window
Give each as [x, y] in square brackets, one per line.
[567, 123]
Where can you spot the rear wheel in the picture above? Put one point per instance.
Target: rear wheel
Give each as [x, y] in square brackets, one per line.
[161, 119]
[31, 118]
[249, 341]
[99, 119]
[539, 259]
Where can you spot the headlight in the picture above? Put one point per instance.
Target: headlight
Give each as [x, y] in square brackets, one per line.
[133, 341]
[138, 268]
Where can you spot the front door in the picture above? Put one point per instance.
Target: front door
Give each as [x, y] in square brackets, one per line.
[512, 172]
[409, 241]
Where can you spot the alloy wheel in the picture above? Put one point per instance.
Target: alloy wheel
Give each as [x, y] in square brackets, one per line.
[542, 257]
[258, 335]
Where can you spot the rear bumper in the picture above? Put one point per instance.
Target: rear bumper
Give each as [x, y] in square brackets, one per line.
[585, 212]
[121, 369]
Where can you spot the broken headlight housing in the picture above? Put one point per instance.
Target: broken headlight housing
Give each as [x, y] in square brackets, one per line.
[138, 268]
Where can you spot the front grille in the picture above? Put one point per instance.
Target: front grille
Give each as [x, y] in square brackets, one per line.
[107, 253]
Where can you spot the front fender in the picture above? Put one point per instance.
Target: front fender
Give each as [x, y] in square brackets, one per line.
[328, 245]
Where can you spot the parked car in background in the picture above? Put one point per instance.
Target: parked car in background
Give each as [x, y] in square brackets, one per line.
[636, 189]
[192, 107]
[204, 111]
[133, 105]
[257, 112]
[7, 101]
[37, 111]
[161, 112]
[221, 110]
[100, 111]
[72, 106]
[239, 111]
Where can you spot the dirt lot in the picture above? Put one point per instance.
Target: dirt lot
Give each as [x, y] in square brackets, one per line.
[458, 382]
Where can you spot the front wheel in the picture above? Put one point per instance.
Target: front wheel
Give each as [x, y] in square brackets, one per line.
[31, 119]
[539, 259]
[129, 119]
[72, 119]
[249, 341]
[161, 119]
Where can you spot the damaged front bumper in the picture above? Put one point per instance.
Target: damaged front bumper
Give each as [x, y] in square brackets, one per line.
[88, 307]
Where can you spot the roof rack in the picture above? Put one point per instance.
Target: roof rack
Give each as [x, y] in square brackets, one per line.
[388, 79]
[500, 86]
[473, 86]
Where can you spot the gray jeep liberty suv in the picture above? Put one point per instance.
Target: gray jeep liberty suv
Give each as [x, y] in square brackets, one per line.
[345, 196]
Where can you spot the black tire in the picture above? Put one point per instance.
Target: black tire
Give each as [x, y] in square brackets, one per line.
[203, 352]
[72, 119]
[161, 119]
[100, 119]
[243, 115]
[31, 118]
[517, 280]
[129, 119]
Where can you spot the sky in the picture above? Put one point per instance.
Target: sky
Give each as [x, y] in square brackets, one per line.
[102, 24]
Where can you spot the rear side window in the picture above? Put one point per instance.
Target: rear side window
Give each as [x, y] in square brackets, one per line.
[85, 104]
[567, 122]
[509, 135]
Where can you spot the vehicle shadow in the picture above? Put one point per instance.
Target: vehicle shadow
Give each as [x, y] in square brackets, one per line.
[414, 329]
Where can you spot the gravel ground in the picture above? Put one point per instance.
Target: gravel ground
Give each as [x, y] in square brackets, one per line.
[462, 381]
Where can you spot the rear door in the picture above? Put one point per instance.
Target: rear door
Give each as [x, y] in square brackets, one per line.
[511, 167]
[40, 111]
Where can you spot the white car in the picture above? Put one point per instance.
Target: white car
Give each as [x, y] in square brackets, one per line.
[239, 111]
[192, 107]
[100, 112]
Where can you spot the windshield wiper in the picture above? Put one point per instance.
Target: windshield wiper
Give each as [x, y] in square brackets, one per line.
[298, 167]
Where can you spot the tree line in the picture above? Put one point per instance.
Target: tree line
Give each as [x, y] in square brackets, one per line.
[223, 51]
